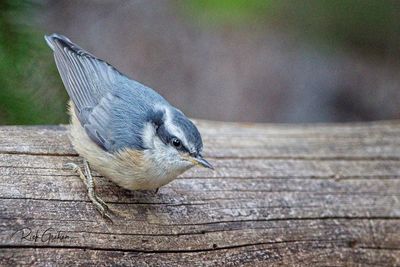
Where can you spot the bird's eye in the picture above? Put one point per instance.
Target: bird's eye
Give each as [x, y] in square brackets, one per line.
[176, 142]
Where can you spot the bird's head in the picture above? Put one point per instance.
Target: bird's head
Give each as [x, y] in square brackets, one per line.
[176, 141]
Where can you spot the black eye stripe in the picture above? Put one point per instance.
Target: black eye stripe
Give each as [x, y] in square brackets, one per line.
[181, 146]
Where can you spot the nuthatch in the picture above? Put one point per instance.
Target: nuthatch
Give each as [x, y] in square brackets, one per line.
[125, 130]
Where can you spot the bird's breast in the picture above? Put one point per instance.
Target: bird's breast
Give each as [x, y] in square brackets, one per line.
[129, 168]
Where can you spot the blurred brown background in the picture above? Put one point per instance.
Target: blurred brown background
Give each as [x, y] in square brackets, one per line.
[263, 61]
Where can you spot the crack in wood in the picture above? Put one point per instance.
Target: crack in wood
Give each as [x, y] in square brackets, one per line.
[163, 251]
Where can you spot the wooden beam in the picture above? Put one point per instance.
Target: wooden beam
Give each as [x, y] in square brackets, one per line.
[280, 195]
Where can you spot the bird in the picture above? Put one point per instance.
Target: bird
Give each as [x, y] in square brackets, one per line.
[122, 129]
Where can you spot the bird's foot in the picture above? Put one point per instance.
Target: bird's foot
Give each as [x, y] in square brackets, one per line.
[88, 180]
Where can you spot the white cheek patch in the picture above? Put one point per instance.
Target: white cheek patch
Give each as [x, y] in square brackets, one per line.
[148, 135]
[166, 159]
[153, 142]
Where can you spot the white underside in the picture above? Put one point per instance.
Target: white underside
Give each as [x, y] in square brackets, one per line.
[131, 169]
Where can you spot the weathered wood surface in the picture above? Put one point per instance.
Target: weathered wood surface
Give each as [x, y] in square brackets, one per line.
[280, 195]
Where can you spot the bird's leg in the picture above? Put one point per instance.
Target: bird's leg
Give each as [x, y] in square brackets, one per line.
[155, 192]
[88, 180]
[98, 202]
[78, 170]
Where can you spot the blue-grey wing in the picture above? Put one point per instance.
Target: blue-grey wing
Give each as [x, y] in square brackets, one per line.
[112, 108]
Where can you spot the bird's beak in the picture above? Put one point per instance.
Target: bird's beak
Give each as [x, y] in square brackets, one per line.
[199, 160]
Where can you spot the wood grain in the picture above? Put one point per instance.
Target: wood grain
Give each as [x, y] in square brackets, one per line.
[295, 195]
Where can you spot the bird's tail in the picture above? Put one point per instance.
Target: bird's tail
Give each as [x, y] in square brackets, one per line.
[50, 39]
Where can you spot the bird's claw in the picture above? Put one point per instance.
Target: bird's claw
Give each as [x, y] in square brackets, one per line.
[101, 207]
[73, 166]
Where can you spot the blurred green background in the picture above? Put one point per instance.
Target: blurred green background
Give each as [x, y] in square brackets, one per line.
[30, 91]
[239, 60]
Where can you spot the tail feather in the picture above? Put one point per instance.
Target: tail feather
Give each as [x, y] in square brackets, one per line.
[50, 39]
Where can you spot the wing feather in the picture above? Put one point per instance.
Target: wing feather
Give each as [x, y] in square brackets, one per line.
[112, 108]
[89, 82]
